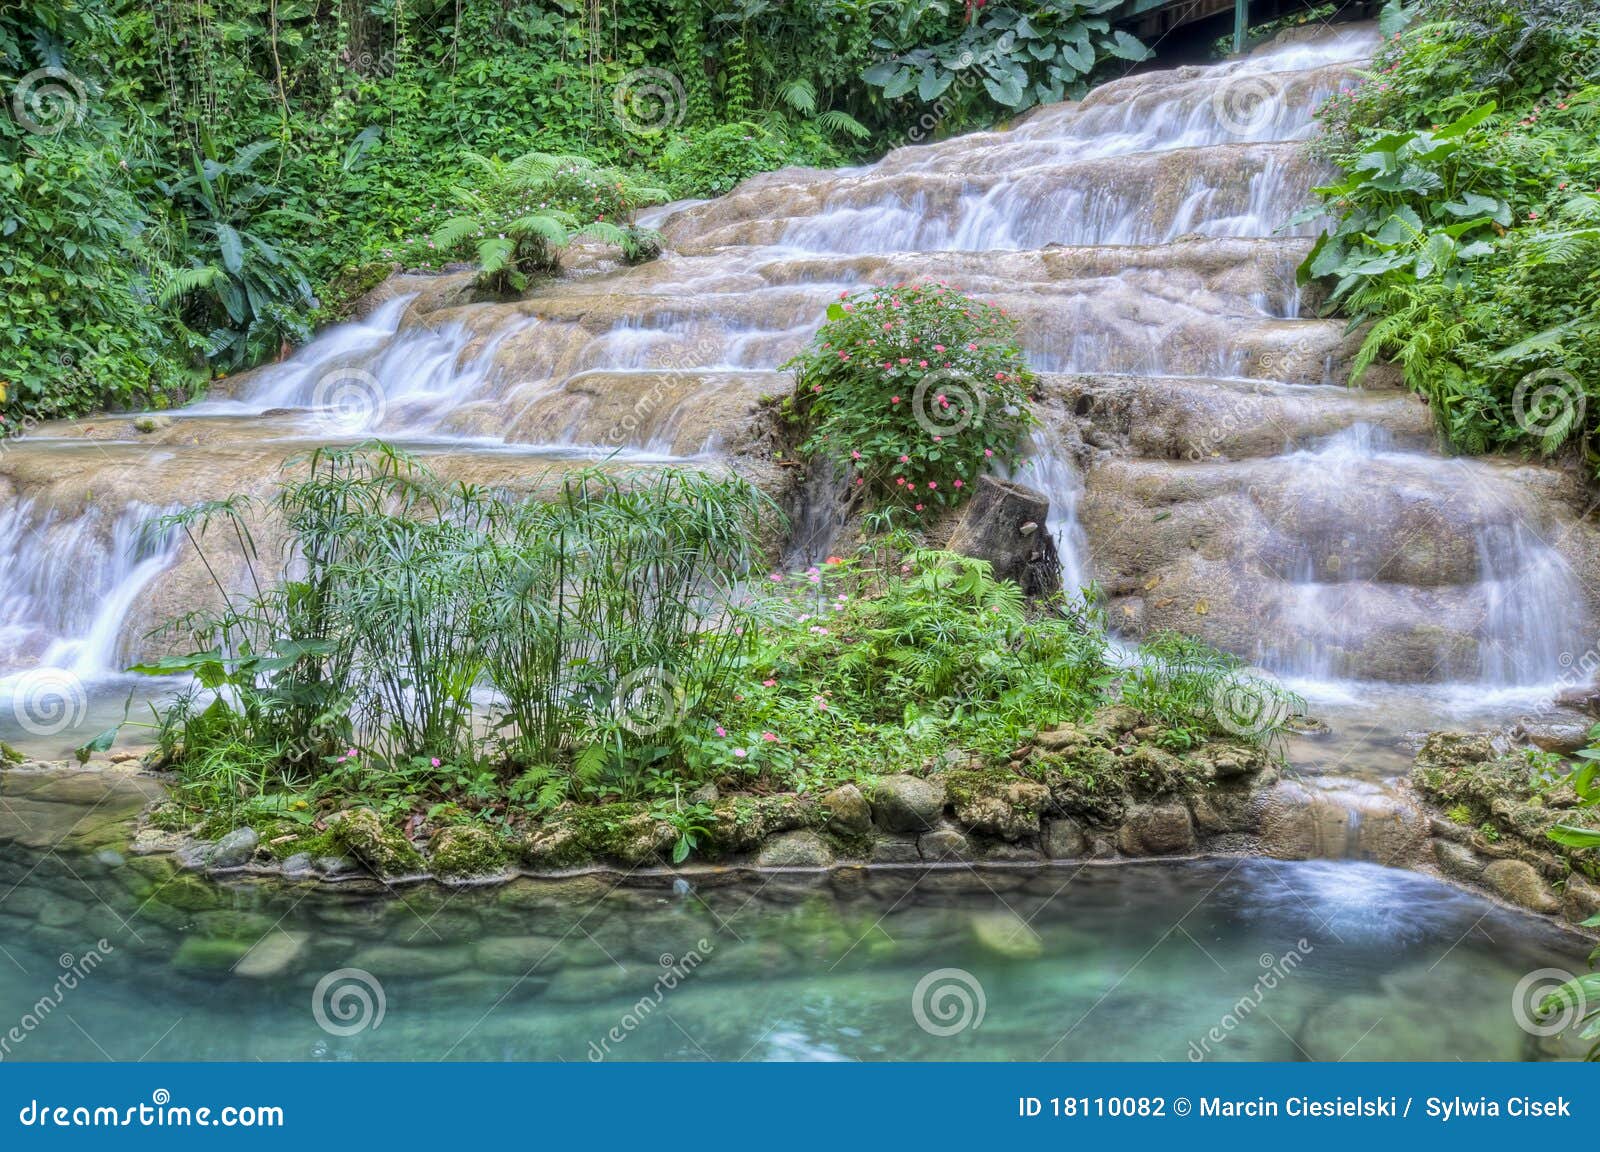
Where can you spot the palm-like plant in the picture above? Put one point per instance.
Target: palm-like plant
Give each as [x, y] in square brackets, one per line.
[518, 214]
[236, 284]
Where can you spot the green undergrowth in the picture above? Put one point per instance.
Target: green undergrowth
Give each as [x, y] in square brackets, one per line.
[1466, 231]
[448, 656]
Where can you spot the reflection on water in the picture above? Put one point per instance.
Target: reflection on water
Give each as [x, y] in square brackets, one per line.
[1329, 960]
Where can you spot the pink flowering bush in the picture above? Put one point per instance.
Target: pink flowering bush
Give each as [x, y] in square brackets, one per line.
[914, 391]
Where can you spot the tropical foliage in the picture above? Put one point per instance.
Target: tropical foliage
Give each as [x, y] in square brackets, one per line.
[605, 639]
[1467, 222]
[244, 169]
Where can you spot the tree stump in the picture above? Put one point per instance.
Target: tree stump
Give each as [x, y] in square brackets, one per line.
[1005, 524]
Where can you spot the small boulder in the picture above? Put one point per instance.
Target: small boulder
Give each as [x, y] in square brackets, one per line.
[300, 864]
[335, 866]
[944, 844]
[234, 850]
[906, 804]
[848, 810]
[466, 850]
[1521, 884]
[1064, 840]
[151, 423]
[1580, 899]
[992, 805]
[1157, 830]
[895, 850]
[382, 849]
[1457, 861]
[1557, 733]
[800, 849]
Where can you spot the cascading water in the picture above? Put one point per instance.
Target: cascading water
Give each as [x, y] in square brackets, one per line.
[1233, 488]
[72, 583]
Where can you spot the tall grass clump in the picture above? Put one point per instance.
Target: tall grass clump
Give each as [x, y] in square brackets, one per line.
[397, 619]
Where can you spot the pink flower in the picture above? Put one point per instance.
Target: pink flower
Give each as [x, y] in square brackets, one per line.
[770, 737]
[894, 399]
[922, 363]
[349, 751]
[769, 683]
[958, 483]
[434, 761]
[776, 577]
[740, 753]
[938, 347]
[988, 452]
[854, 454]
[931, 484]
[919, 507]
[905, 459]
[721, 731]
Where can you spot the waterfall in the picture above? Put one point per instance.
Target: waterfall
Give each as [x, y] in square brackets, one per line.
[71, 585]
[1229, 487]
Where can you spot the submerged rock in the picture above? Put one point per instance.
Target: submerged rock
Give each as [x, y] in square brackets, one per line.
[1006, 934]
[272, 955]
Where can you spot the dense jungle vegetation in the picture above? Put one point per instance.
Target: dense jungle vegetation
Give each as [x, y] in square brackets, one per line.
[1468, 217]
[191, 187]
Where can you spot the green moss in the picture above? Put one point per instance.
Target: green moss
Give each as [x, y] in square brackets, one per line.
[381, 849]
[465, 850]
[10, 755]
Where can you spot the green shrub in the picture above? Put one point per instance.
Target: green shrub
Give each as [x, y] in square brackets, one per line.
[712, 162]
[1468, 218]
[912, 391]
[518, 214]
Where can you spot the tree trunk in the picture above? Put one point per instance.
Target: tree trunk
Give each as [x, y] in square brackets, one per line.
[1005, 524]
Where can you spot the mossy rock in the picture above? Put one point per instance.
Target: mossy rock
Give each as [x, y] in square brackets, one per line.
[580, 836]
[742, 823]
[383, 850]
[996, 802]
[466, 850]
